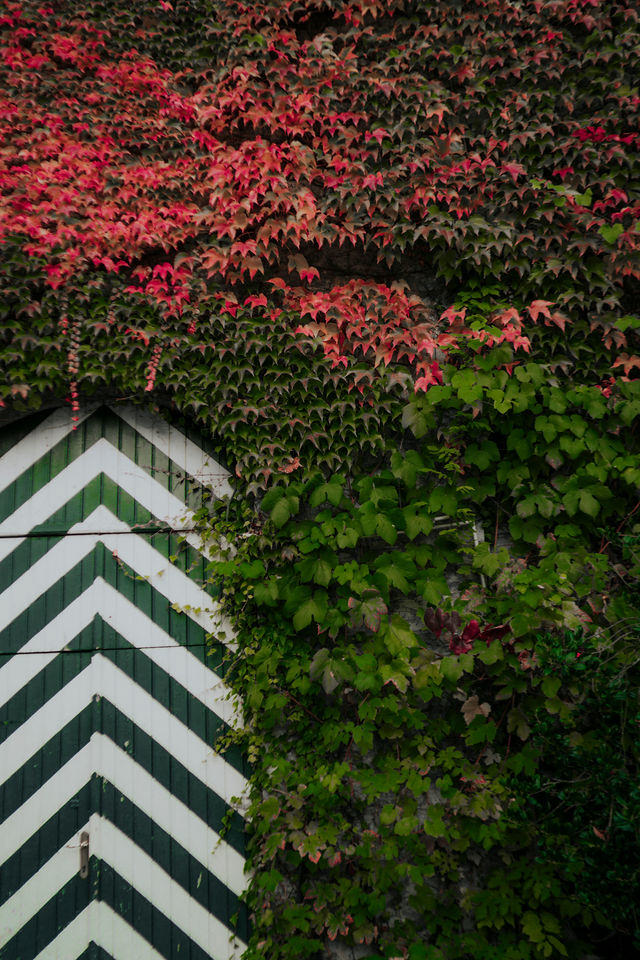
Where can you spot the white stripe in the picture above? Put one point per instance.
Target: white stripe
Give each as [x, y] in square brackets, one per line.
[166, 895]
[169, 440]
[75, 937]
[32, 895]
[136, 868]
[100, 924]
[114, 935]
[42, 439]
[102, 457]
[123, 615]
[177, 447]
[103, 757]
[136, 552]
[18, 671]
[51, 797]
[102, 678]
[179, 662]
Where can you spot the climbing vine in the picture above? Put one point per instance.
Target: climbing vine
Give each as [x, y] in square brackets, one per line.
[409, 721]
[387, 256]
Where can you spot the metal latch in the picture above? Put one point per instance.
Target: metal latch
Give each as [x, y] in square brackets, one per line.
[84, 854]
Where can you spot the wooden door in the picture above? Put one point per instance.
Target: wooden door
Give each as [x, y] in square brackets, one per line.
[112, 799]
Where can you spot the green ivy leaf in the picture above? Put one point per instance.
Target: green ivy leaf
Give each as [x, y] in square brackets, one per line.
[398, 636]
[280, 513]
[322, 572]
[266, 593]
[550, 686]
[368, 610]
[314, 608]
[532, 927]
[386, 529]
[451, 668]
[271, 498]
[492, 653]
[443, 500]
[482, 456]
[416, 523]
[327, 491]
[611, 234]
[433, 823]
[589, 504]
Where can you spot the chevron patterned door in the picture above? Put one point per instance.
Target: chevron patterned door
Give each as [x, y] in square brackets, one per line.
[112, 800]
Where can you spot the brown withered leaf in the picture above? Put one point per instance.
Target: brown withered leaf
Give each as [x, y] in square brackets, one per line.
[473, 708]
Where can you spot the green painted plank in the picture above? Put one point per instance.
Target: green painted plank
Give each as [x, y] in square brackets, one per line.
[34, 936]
[13, 433]
[99, 636]
[101, 716]
[40, 767]
[103, 424]
[156, 928]
[54, 834]
[100, 796]
[164, 936]
[99, 562]
[102, 490]
[200, 884]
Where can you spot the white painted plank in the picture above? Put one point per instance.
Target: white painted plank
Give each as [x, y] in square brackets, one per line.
[38, 890]
[100, 924]
[19, 670]
[173, 816]
[104, 758]
[128, 620]
[143, 873]
[102, 457]
[103, 678]
[74, 939]
[109, 844]
[39, 441]
[114, 935]
[134, 551]
[41, 805]
[175, 445]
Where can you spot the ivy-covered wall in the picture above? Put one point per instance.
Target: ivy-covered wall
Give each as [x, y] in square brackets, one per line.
[386, 256]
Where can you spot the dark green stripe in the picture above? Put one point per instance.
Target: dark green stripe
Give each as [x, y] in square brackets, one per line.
[39, 768]
[101, 491]
[94, 952]
[55, 915]
[54, 834]
[102, 716]
[105, 884]
[13, 433]
[100, 796]
[103, 424]
[142, 670]
[156, 928]
[203, 886]
[99, 562]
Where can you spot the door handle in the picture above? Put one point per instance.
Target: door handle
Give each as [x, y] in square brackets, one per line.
[84, 854]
